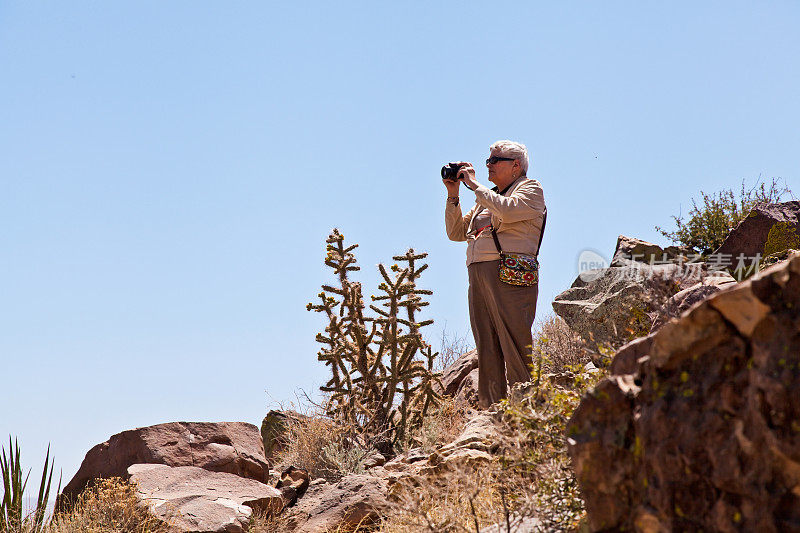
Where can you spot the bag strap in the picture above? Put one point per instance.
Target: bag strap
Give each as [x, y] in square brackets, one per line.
[496, 241]
[541, 235]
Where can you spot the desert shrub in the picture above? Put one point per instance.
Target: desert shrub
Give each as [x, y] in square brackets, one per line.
[109, 505]
[322, 446]
[534, 451]
[710, 222]
[557, 346]
[382, 371]
[441, 425]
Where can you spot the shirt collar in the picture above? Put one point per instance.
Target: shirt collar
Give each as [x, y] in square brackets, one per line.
[495, 189]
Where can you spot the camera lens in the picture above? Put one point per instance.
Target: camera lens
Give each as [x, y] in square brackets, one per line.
[450, 171]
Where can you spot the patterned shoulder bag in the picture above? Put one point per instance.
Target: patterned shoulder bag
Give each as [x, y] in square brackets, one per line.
[519, 269]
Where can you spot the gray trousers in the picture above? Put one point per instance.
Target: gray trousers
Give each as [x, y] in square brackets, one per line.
[501, 316]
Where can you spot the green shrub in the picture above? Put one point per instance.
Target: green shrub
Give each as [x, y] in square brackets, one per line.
[719, 213]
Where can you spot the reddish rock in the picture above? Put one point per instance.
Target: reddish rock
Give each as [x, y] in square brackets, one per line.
[292, 484]
[626, 359]
[468, 389]
[192, 499]
[357, 499]
[644, 252]
[457, 372]
[685, 299]
[751, 235]
[705, 434]
[232, 447]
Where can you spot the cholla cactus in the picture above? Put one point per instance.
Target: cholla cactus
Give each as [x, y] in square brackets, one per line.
[382, 378]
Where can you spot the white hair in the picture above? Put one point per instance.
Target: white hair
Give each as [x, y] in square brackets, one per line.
[513, 149]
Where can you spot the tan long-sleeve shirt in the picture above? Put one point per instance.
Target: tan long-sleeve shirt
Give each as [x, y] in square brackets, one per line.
[516, 215]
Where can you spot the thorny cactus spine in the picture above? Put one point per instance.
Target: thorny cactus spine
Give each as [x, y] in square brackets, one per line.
[382, 378]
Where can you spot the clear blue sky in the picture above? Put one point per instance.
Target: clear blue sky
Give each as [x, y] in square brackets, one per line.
[169, 172]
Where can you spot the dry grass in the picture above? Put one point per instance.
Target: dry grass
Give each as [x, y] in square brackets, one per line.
[110, 505]
[323, 447]
[266, 523]
[442, 424]
[558, 346]
[452, 346]
[459, 500]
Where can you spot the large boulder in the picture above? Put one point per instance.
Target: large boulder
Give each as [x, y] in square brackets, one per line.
[769, 228]
[612, 305]
[232, 447]
[192, 499]
[704, 433]
[356, 500]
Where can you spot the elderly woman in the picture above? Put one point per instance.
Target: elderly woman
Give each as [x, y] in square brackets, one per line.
[506, 220]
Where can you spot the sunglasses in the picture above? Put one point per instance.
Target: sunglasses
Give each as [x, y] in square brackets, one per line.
[494, 159]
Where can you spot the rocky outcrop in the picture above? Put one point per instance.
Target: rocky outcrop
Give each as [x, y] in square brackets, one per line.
[617, 302]
[357, 499]
[192, 499]
[230, 447]
[644, 252]
[768, 229]
[703, 432]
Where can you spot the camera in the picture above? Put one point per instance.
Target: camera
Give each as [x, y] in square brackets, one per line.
[450, 171]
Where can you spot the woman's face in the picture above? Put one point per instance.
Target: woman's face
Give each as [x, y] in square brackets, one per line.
[502, 173]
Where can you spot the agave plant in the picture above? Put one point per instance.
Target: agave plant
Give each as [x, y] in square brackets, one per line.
[12, 518]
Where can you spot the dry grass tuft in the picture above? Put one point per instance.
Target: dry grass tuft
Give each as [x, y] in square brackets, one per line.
[458, 500]
[561, 349]
[441, 425]
[322, 446]
[108, 505]
[452, 347]
[266, 523]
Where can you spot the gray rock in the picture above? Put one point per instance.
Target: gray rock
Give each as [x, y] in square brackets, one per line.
[614, 305]
[192, 499]
[468, 389]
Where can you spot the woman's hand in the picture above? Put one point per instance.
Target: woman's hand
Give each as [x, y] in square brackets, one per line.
[467, 174]
[452, 188]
